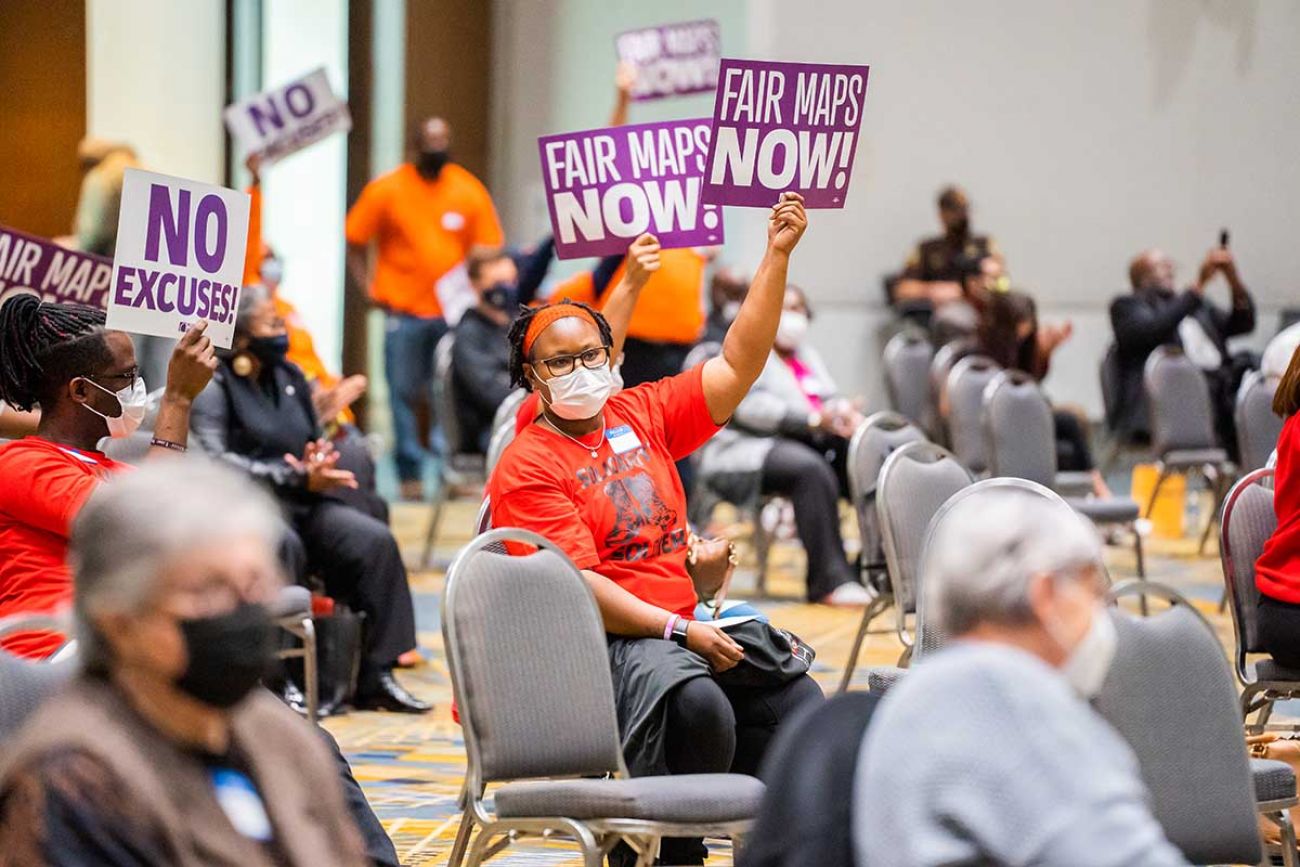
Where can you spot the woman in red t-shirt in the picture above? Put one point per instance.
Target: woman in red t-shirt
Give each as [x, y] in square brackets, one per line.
[595, 475]
[84, 378]
[1277, 572]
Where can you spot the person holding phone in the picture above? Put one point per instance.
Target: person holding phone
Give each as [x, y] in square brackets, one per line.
[1155, 314]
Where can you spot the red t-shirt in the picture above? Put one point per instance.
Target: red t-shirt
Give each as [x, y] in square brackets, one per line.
[42, 487]
[1277, 572]
[623, 513]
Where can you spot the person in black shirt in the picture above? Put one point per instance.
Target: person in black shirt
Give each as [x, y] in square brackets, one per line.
[480, 359]
[257, 415]
[936, 268]
[1156, 315]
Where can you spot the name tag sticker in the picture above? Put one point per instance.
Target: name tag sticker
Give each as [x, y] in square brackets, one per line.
[622, 439]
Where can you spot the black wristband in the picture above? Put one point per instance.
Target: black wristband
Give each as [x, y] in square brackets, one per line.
[167, 444]
[679, 631]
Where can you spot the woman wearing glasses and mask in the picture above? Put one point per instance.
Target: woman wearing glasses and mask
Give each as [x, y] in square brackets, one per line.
[84, 379]
[258, 416]
[595, 474]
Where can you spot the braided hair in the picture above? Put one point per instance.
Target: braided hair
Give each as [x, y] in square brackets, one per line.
[519, 329]
[44, 345]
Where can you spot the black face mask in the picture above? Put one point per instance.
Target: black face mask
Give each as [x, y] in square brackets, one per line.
[270, 350]
[502, 296]
[228, 654]
[429, 163]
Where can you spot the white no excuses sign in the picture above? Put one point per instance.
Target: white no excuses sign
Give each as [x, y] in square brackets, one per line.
[179, 257]
[287, 119]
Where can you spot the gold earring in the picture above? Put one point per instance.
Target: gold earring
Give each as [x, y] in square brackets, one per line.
[242, 365]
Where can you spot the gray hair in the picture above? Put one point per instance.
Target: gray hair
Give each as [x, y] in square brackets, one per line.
[249, 298]
[983, 554]
[138, 522]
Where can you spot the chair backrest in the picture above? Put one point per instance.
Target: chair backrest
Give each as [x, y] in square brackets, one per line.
[907, 360]
[502, 437]
[444, 389]
[1170, 695]
[1019, 429]
[1246, 523]
[875, 440]
[1257, 426]
[701, 353]
[24, 684]
[1178, 400]
[945, 357]
[929, 635]
[506, 412]
[532, 703]
[914, 482]
[483, 520]
[966, 383]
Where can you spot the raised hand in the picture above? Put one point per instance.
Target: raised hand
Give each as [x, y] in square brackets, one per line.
[642, 259]
[329, 402]
[787, 223]
[319, 465]
[192, 364]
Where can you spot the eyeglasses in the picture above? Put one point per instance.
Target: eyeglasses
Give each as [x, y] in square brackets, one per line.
[130, 376]
[562, 365]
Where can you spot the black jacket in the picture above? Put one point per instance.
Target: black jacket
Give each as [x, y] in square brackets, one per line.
[1149, 319]
[480, 369]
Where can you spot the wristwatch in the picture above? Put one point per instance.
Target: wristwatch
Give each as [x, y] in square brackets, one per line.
[679, 631]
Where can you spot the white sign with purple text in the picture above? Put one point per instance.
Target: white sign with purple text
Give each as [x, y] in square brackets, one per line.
[278, 122]
[179, 257]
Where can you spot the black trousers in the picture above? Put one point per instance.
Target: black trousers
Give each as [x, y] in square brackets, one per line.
[357, 557]
[1279, 630]
[1073, 453]
[808, 478]
[716, 730]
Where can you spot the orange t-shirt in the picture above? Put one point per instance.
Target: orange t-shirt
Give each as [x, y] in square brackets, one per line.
[42, 487]
[424, 229]
[622, 514]
[669, 309]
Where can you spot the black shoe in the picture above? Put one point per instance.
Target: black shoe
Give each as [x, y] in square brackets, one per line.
[385, 693]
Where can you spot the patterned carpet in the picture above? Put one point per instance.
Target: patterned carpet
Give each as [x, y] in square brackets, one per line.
[411, 767]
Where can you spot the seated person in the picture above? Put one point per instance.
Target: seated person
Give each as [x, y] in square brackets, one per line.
[1156, 315]
[594, 474]
[257, 415]
[935, 269]
[960, 319]
[1277, 572]
[988, 752]
[83, 378]
[727, 290]
[163, 750]
[1010, 334]
[790, 436]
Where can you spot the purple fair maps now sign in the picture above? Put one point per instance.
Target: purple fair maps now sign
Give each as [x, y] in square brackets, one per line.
[784, 126]
[179, 257]
[41, 267]
[604, 187]
[672, 59]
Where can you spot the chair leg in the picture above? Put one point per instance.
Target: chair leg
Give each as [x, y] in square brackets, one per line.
[762, 547]
[463, 835]
[869, 614]
[1141, 570]
[1283, 820]
[435, 520]
[1221, 480]
[649, 852]
[1155, 491]
[312, 686]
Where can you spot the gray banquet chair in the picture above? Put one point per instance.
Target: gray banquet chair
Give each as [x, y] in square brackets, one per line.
[292, 612]
[538, 716]
[1247, 522]
[502, 438]
[25, 683]
[506, 412]
[461, 467]
[914, 484]
[1182, 426]
[1022, 444]
[945, 357]
[907, 360]
[873, 442]
[1257, 426]
[1205, 790]
[966, 383]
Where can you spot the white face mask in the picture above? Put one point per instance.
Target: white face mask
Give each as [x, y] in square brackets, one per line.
[1088, 663]
[582, 393]
[271, 272]
[791, 330]
[134, 401]
[616, 374]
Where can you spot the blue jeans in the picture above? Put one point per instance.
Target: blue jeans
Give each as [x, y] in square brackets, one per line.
[409, 343]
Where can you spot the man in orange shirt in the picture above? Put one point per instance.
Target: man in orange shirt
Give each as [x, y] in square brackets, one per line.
[424, 217]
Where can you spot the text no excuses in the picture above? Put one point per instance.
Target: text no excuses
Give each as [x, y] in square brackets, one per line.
[784, 126]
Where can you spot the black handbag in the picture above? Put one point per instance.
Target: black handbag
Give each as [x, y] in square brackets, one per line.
[773, 656]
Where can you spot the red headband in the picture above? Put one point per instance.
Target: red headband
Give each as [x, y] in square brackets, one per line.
[548, 316]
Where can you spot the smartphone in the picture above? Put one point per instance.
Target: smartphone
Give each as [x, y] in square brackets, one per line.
[1223, 238]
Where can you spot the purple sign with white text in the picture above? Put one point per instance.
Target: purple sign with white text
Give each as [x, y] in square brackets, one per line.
[784, 126]
[672, 59]
[179, 257]
[605, 187]
[41, 267]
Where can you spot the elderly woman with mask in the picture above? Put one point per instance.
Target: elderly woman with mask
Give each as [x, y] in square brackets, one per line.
[988, 752]
[790, 437]
[163, 751]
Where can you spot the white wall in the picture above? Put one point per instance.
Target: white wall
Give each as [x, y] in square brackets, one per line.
[155, 77]
[1083, 131]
